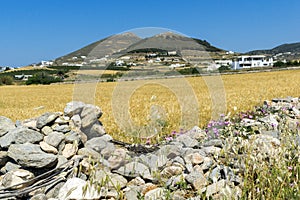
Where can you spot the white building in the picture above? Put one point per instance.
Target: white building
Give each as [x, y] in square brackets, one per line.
[252, 61]
[220, 63]
[46, 63]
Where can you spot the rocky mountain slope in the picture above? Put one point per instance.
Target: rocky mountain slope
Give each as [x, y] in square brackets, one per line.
[292, 47]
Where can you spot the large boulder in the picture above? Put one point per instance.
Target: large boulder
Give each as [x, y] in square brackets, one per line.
[31, 155]
[73, 108]
[20, 135]
[5, 125]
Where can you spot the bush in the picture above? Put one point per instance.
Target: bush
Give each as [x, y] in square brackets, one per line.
[6, 80]
[42, 78]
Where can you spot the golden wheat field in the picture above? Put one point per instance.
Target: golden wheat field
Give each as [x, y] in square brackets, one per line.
[174, 97]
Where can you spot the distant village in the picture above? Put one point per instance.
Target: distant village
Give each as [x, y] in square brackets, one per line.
[173, 60]
[170, 60]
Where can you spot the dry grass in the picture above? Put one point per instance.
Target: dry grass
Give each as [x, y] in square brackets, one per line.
[242, 91]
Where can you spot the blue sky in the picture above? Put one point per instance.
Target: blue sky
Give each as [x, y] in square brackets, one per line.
[35, 30]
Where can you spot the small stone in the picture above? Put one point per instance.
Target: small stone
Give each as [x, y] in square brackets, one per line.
[61, 128]
[62, 120]
[196, 133]
[16, 176]
[48, 148]
[214, 142]
[70, 150]
[89, 152]
[108, 150]
[6, 125]
[171, 171]
[117, 159]
[97, 144]
[76, 121]
[187, 141]
[54, 138]
[157, 194]
[46, 130]
[90, 115]
[72, 137]
[215, 187]
[197, 180]
[135, 169]
[138, 181]
[9, 167]
[46, 119]
[194, 158]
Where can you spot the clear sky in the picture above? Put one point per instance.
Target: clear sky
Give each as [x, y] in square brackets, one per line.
[35, 30]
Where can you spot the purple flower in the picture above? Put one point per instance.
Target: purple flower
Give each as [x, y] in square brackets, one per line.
[148, 141]
[226, 123]
[290, 168]
[168, 139]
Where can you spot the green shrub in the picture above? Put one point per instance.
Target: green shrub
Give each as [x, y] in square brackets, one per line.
[6, 80]
[42, 78]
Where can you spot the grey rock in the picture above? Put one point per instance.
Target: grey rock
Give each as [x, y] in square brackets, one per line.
[46, 130]
[215, 187]
[211, 150]
[108, 150]
[118, 158]
[106, 137]
[73, 189]
[61, 128]
[73, 108]
[16, 176]
[132, 193]
[89, 152]
[90, 115]
[62, 120]
[109, 180]
[76, 121]
[135, 169]
[96, 130]
[138, 181]
[213, 142]
[207, 163]
[3, 158]
[194, 158]
[196, 133]
[20, 135]
[197, 180]
[178, 159]
[72, 137]
[187, 141]
[31, 155]
[9, 167]
[54, 138]
[70, 150]
[46, 119]
[6, 125]
[171, 171]
[215, 174]
[61, 162]
[48, 148]
[97, 144]
[169, 151]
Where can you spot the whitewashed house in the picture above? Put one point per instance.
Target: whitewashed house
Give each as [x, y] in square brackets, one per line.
[243, 62]
[220, 63]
